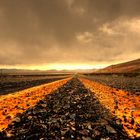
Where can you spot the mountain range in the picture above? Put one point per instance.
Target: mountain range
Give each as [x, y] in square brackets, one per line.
[126, 67]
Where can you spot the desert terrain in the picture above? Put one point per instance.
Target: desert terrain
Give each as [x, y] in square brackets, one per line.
[128, 83]
[84, 106]
[12, 83]
[69, 69]
[71, 107]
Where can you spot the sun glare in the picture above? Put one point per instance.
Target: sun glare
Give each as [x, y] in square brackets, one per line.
[57, 67]
[67, 67]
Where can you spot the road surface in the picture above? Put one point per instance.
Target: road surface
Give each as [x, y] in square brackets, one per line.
[72, 112]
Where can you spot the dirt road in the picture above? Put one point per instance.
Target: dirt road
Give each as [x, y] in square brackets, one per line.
[72, 112]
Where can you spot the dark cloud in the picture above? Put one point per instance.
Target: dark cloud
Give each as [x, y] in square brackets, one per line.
[68, 31]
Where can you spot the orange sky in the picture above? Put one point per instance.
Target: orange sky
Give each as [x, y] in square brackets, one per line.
[68, 34]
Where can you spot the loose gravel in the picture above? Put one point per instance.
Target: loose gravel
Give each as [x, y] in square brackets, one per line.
[72, 112]
[130, 84]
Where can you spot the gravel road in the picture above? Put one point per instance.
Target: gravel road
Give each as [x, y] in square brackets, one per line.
[71, 113]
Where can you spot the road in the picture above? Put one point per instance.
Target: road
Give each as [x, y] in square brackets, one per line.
[72, 112]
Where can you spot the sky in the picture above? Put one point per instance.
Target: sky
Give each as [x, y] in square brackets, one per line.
[68, 34]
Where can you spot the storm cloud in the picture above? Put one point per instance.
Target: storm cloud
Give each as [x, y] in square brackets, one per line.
[42, 32]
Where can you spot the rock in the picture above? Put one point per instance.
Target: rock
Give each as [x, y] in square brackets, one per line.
[89, 126]
[63, 132]
[118, 122]
[72, 136]
[73, 116]
[125, 118]
[84, 132]
[23, 131]
[9, 135]
[35, 112]
[29, 112]
[73, 128]
[17, 119]
[132, 121]
[8, 117]
[79, 106]
[44, 105]
[27, 104]
[72, 123]
[44, 126]
[66, 106]
[105, 139]
[30, 117]
[41, 122]
[110, 129]
[43, 139]
[96, 133]
[86, 138]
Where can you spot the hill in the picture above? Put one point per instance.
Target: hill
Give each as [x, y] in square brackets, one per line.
[126, 67]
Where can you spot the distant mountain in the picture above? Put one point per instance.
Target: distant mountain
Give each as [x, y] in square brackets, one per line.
[37, 72]
[17, 71]
[131, 66]
[28, 72]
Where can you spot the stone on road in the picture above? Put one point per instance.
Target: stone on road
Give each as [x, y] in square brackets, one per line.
[72, 112]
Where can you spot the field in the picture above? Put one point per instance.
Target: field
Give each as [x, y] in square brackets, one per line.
[78, 107]
[12, 83]
[125, 82]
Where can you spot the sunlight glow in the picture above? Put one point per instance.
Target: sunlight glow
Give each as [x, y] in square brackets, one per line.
[66, 67]
[57, 67]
